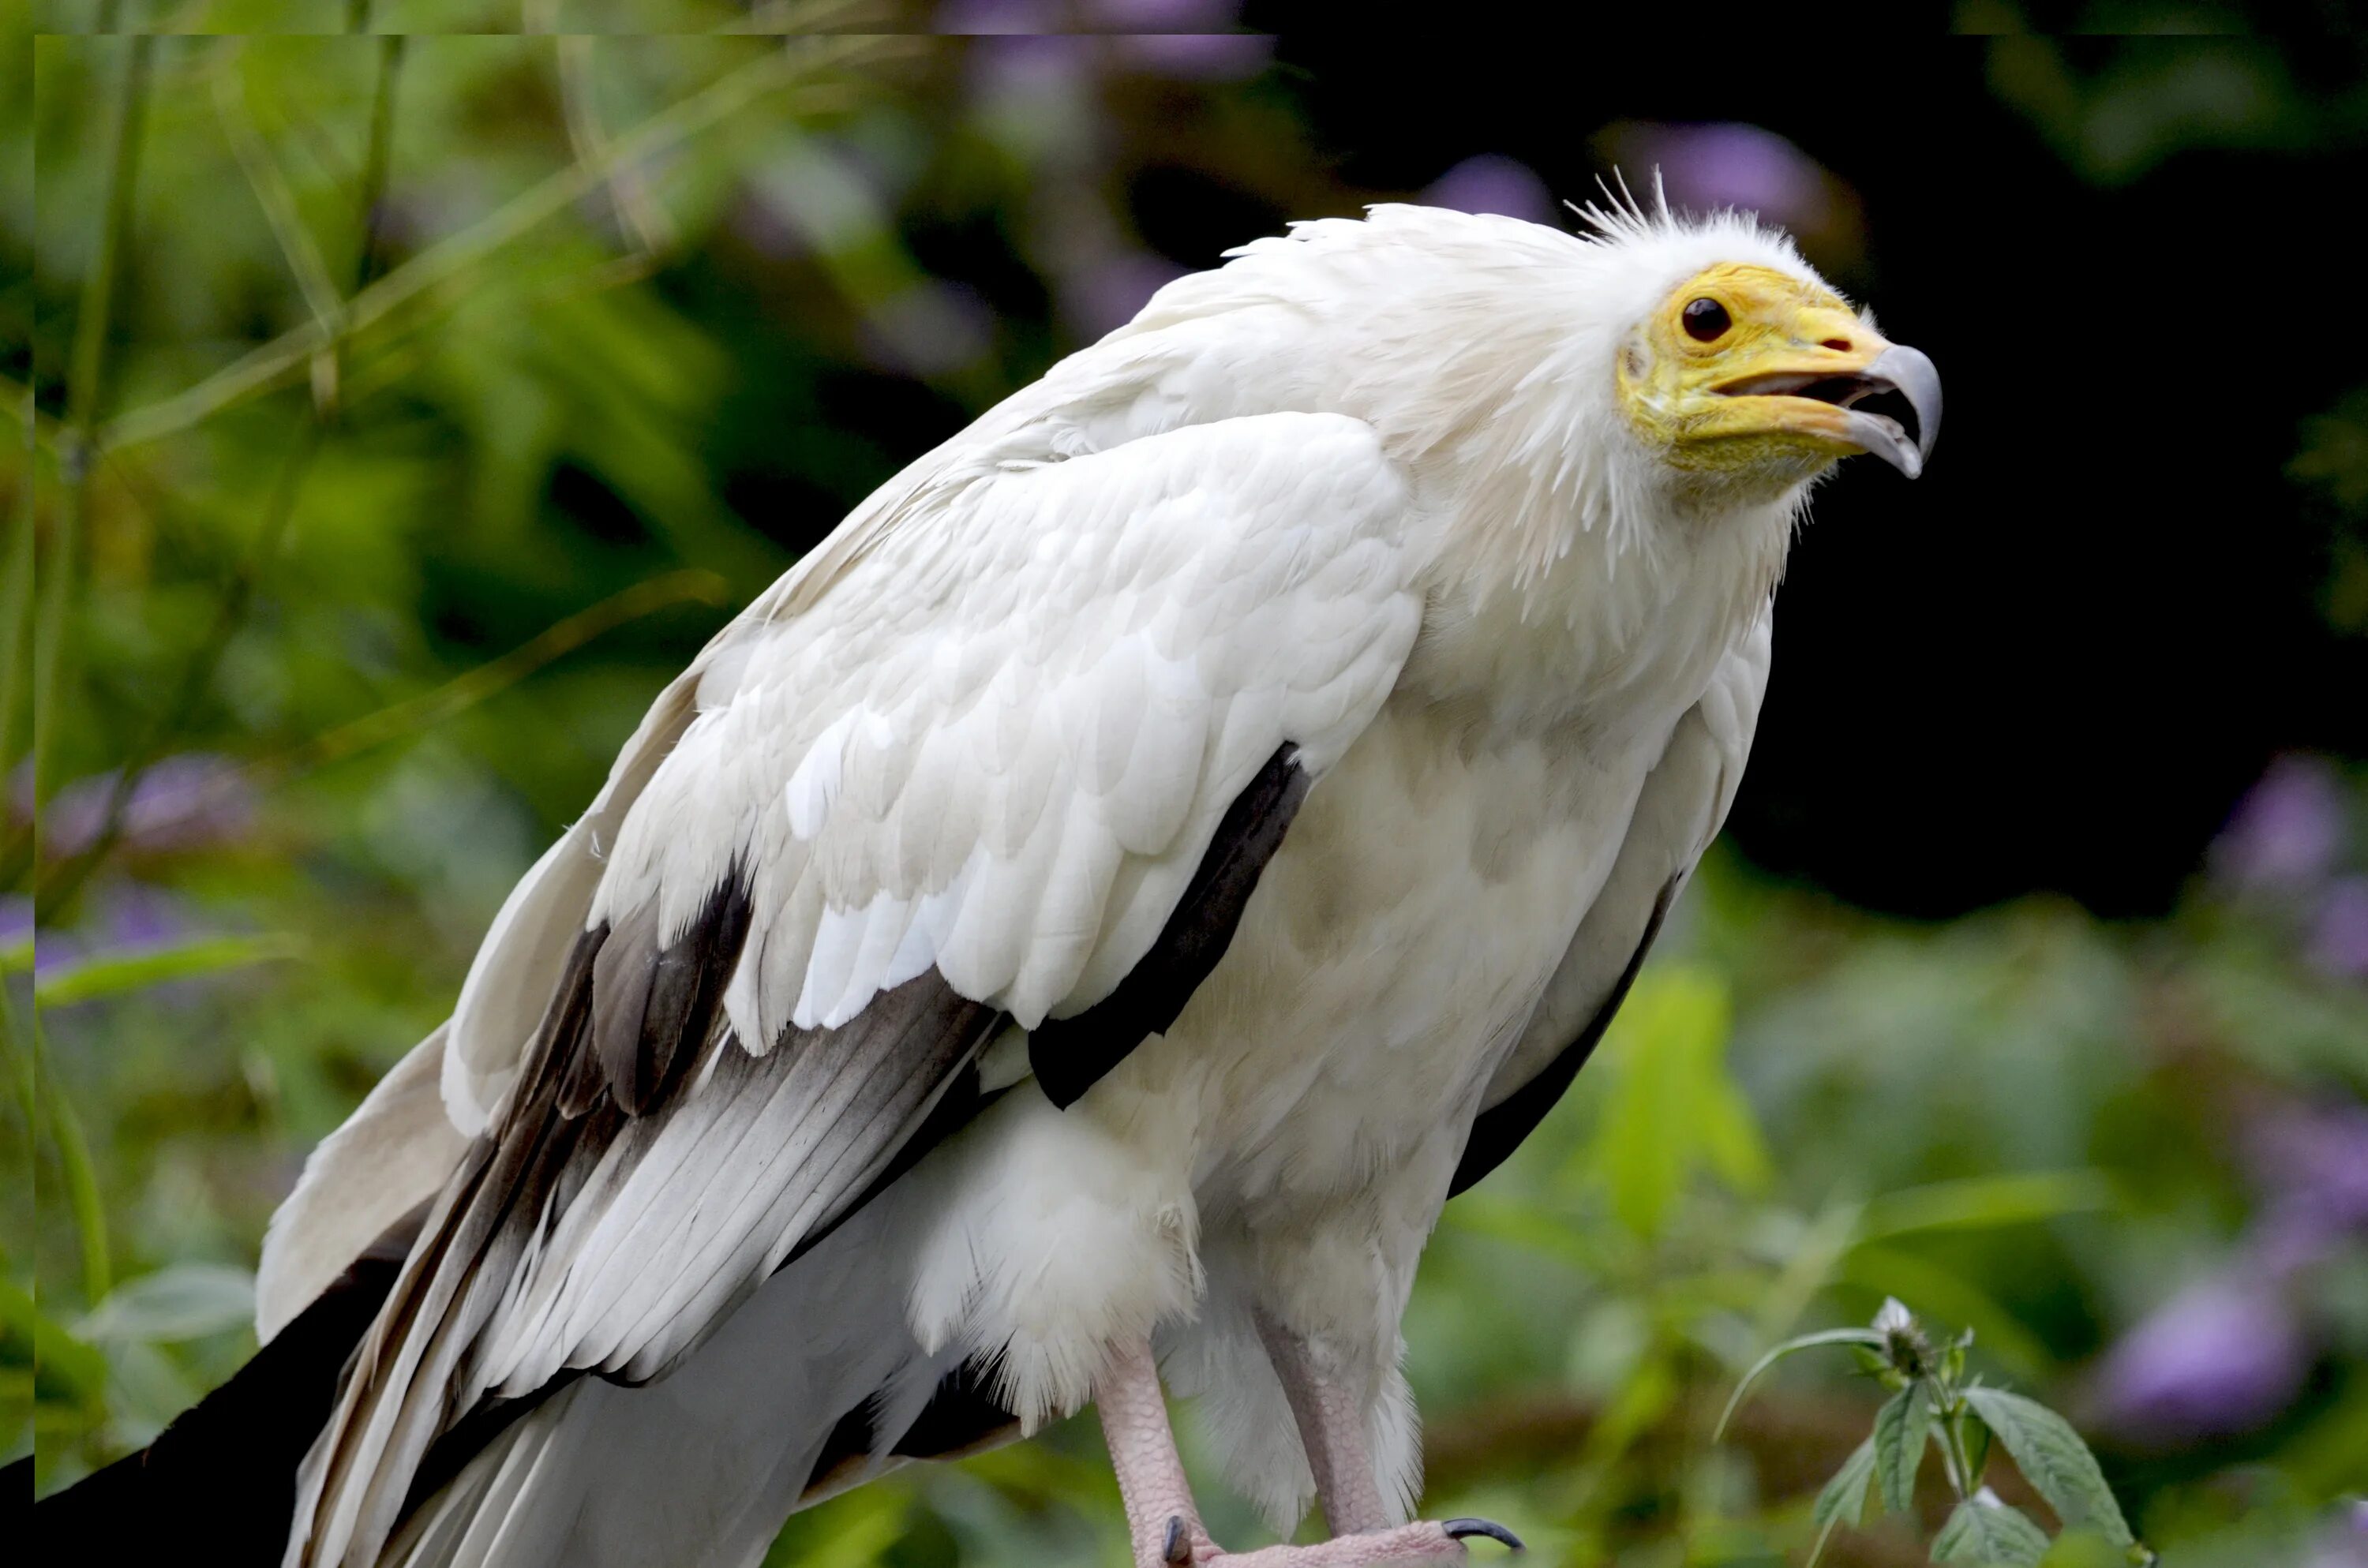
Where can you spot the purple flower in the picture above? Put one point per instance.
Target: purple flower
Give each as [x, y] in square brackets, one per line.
[15, 917]
[1020, 69]
[1490, 183]
[124, 914]
[1727, 165]
[2345, 1542]
[930, 329]
[1196, 56]
[2312, 1161]
[2339, 937]
[1163, 16]
[960, 17]
[180, 802]
[2219, 1359]
[2287, 831]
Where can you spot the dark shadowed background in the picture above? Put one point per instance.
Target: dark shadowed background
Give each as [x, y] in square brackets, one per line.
[408, 407]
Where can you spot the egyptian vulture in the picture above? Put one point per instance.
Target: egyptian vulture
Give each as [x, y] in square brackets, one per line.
[1080, 924]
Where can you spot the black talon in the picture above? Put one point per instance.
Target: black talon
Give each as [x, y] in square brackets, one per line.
[1176, 1548]
[1458, 1528]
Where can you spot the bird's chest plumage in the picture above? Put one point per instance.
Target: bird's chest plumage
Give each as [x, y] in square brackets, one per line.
[1394, 946]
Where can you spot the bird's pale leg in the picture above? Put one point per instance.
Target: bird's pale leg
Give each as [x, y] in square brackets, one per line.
[1161, 1517]
[1164, 1523]
[1332, 1430]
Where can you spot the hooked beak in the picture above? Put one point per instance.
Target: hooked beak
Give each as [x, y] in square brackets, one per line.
[1890, 406]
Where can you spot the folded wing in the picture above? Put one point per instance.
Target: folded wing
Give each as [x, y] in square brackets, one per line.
[1680, 809]
[1016, 747]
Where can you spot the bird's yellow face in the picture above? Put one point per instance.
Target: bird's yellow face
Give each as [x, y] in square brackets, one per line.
[1745, 375]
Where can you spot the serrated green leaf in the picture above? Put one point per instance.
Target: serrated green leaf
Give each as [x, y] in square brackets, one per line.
[1901, 1429]
[1865, 1336]
[110, 974]
[1983, 1530]
[1977, 1438]
[2053, 1459]
[1844, 1496]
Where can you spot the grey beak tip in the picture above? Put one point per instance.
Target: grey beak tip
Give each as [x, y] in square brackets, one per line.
[1913, 375]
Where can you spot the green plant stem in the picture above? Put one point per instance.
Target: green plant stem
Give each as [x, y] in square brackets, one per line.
[692, 585]
[267, 364]
[82, 1177]
[82, 374]
[1959, 1464]
[58, 889]
[238, 595]
[16, 588]
[18, 1064]
[376, 157]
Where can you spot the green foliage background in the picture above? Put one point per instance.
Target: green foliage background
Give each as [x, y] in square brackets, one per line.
[377, 490]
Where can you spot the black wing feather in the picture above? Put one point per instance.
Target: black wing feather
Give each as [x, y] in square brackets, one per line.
[1071, 1055]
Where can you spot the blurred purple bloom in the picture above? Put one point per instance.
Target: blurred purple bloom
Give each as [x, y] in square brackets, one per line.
[1019, 68]
[181, 803]
[1163, 16]
[1198, 56]
[2219, 1359]
[124, 914]
[2345, 1544]
[1726, 165]
[2287, 830]
[1490, 183]
[958, 17]
[15, 917]
[2338, 939]
[2312, 1162]
[930, 329]
[1105, 295]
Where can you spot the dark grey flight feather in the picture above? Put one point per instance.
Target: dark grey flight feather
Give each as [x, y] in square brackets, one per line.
[629, 1026]
[1502, 1127]
[686, 993]
[1070, 1055]
[229, 1461]
[962, 1416]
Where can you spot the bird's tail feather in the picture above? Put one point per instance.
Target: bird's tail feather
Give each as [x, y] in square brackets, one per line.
[812, 1386]
[231, 1459]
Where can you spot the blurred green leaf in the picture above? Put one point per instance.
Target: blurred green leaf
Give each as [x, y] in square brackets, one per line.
[1672, 1105]
[182, 1300]
[57, 1356]
[112, 975]
[1975, 1202]
[2053, 1459]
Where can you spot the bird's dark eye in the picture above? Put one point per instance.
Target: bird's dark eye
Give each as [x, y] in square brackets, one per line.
[1706, 319]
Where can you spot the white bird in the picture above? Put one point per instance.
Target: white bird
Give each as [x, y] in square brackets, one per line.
[1084, 921]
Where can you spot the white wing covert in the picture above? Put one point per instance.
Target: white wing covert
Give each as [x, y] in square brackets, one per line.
[978, 775]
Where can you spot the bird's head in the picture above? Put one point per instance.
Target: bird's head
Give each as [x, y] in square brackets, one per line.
[1750, 377]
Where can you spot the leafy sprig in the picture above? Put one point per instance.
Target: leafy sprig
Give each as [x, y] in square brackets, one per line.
[1934, 1404]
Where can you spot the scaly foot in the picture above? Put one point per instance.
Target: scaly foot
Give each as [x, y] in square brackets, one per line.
[1423, 1541]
